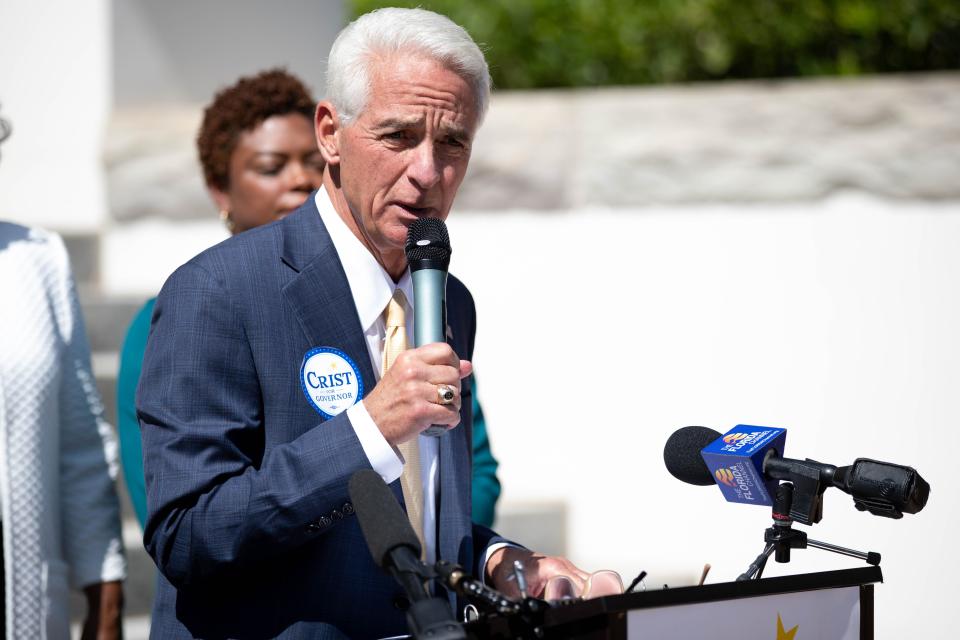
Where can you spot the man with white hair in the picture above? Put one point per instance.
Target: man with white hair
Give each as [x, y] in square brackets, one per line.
[247, 452]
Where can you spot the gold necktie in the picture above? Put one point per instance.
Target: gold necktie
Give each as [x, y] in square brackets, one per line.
[395, 341]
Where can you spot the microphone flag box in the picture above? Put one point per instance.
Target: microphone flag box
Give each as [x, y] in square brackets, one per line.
[735, 461]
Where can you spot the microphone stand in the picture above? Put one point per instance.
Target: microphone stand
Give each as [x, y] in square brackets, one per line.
[782, 537]
[454, 577]
[427, 617]
[502, 618]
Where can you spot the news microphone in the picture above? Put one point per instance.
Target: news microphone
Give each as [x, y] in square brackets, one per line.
[882, 488]
[396, 549]
[733, 461]
[681, 454]
[428, 255]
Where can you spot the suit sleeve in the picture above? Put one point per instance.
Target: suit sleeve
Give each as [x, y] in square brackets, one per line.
[216, 502]
[88, 452]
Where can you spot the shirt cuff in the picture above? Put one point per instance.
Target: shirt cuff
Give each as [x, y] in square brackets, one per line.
[492, 549]
[381, 455]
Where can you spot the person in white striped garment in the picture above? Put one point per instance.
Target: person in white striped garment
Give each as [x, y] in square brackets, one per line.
[58, 457]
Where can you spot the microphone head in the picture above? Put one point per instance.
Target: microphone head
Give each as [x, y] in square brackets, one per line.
[681, 454]
[428, 245]
[384, 524]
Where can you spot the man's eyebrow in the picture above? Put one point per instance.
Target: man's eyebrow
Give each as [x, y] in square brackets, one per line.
[396, 123]
[405, 123]
[459, 133]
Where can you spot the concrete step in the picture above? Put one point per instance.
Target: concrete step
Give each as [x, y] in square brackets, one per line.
[107, 317]
[84, 252]
[105, 367]
[107, 320]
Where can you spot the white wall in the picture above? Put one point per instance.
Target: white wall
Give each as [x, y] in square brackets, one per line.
[54, 89]
[180, 51]
[836, 320]
[64, 65]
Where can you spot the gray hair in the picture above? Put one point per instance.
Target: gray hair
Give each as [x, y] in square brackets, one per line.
[392, 30]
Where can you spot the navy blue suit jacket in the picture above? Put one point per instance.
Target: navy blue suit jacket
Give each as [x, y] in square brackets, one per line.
[249, 519]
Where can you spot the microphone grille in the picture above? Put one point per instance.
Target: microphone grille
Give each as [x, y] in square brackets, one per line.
[427, 239]
[384, 524]
[681, 454]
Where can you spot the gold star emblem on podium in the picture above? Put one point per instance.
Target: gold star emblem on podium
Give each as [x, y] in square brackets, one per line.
[783, 634]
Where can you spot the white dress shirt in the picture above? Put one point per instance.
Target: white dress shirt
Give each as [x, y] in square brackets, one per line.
[372, 288]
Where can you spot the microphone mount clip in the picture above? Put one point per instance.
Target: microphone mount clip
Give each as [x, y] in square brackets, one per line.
[781, 538]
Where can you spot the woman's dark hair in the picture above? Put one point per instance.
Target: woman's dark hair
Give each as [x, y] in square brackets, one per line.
[242, 107]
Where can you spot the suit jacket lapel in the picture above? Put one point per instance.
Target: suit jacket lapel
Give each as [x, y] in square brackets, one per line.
[455, 467]
[319, 293]
[454, 497]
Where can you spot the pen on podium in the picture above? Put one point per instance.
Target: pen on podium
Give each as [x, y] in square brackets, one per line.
[703, 576]
[636, 581]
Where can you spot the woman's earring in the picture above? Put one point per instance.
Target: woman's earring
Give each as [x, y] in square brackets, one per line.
[227, 221]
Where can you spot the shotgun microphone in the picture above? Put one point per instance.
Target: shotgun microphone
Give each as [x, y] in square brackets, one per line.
[396, 549]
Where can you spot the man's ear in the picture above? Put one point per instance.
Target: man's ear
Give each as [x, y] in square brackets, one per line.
[327, 128]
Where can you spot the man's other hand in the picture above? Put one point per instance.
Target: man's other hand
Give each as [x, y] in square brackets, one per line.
[537, 569]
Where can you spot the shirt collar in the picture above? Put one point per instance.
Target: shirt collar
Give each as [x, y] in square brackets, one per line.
[371, 285]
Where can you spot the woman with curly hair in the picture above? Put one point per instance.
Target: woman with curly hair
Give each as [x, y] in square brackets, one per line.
[258, 151]
[260, 162]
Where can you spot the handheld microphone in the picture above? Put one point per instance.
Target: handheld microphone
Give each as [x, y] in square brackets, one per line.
[396, 549]
[428, 255]
[882, 488]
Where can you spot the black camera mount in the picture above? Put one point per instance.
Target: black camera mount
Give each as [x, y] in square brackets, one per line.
[781, 538]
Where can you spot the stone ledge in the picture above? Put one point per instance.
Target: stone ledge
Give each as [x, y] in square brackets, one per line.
[151, 164]
[894, 136]
[758, 141]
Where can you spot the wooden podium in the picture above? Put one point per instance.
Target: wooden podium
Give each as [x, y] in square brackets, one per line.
[833, 604]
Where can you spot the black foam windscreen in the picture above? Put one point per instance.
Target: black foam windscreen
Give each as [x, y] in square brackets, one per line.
[428, 240]
[384, 524]
[681, 454]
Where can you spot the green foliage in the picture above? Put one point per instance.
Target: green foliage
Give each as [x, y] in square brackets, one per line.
[563, 43]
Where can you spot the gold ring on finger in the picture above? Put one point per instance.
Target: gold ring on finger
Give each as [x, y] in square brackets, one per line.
[445, 394]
